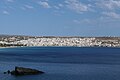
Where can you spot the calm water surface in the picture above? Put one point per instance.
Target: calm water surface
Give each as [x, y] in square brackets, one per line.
[62, 63]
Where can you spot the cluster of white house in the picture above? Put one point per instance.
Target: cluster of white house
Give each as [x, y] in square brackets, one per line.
[59, 41]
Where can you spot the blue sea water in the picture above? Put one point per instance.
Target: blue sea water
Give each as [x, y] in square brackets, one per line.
[62, 63]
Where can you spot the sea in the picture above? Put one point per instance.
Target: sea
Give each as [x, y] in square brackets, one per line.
[62, 63]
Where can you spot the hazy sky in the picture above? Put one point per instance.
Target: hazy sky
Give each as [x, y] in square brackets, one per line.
[60, 17]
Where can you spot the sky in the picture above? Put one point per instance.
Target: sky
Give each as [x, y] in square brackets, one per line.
[60, 17]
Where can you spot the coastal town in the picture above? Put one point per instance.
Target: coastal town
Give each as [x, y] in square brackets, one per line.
[29, 41]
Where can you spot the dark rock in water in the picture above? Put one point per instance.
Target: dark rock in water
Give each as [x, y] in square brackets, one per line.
[8, 72]
[5, 72]
[25, 71]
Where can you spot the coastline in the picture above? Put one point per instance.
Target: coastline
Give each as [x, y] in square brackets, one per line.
[55, 47]
[23, 41]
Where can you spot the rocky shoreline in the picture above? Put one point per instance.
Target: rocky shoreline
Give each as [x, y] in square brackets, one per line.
[21, 41]
[19, 71]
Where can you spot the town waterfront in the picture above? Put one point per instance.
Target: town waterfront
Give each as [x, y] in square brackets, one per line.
[62, 63]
